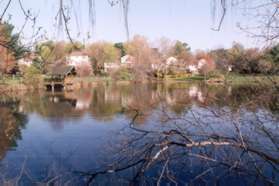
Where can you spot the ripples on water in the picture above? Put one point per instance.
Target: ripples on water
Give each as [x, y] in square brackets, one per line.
[141, 134]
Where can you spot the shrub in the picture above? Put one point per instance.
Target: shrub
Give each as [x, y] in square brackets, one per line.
[273, 54]
[264, 66]
[247, 62]
[32, 76]
[122, 74]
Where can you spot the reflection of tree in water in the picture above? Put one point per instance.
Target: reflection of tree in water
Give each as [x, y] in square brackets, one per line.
[106, 102]
[11, 123]
[145, 98]
[251, 98]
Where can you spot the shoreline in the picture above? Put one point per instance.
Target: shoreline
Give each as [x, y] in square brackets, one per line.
[87, 82]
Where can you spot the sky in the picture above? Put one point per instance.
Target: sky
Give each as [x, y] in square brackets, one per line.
[189, 21]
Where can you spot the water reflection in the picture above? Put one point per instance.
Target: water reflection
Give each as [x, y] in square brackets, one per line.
[11, 123]
[105, 102]
[141, 133]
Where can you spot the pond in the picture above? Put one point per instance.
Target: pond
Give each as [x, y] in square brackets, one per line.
[141, 134]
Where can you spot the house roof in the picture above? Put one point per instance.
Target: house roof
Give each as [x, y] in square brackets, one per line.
[60, 70]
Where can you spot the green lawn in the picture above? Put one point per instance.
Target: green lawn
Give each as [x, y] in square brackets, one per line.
[238, 79]
[10, 80]
[234, 79]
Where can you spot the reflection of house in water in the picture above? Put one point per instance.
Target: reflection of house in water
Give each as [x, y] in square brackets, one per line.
[82, 99]
[82, 104]
[126, 100]
[195, 93]
[117, 96]
[112, 96]
[170, 99]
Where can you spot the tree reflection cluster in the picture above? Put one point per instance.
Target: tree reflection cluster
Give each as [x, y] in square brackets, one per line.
[11, 123]
[104, 102]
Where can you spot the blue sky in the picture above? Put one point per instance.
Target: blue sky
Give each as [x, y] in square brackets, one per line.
[186, 20]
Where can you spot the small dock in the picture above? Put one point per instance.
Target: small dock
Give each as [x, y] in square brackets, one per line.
[58, 79]
[54, 85]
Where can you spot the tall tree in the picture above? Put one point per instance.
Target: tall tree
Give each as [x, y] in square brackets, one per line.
[11, 48]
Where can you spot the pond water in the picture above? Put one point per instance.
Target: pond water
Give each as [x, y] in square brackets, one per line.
[141, 134]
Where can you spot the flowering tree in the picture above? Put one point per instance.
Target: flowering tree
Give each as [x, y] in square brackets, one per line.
[205, 64]
[101, 53]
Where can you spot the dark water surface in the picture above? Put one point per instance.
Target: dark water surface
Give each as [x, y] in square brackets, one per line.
[141, 134]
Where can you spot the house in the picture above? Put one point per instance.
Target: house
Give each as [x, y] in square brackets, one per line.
[77, 59]
[201, 63]
[171, 61]
[27, 60]
[193, 69]
[127, 60]
[108, 67]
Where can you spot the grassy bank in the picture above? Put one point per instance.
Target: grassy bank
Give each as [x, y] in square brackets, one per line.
[17, 84]
[231, 79]
[11, 80]
[236, 79]
[12, 85]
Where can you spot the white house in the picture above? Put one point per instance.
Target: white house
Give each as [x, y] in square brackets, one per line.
[78, 59]
[193, 69]
[25, 62]
[111, 66]
[128, 59]
[201, 63]
[171, 61]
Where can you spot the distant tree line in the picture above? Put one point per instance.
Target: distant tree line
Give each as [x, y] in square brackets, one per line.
[248, 61]
[146, 56]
